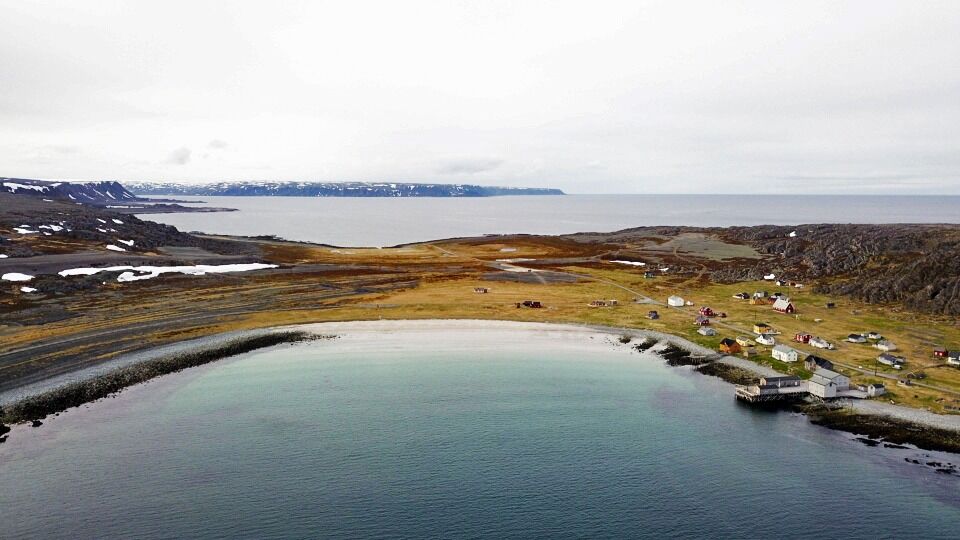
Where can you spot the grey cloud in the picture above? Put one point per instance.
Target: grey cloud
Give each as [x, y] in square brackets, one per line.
[180, 156]
[469, 166]
[218, 144]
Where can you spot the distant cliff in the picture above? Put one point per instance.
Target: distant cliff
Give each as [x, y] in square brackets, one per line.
[331, 189]
[85, 192]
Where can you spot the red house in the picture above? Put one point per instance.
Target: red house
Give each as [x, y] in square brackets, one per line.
[701, 321]
[802, 337]
[940, 352]
[707, 312]
[783, 305]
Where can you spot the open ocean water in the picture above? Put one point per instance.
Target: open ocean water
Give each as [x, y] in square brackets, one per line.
[344, 221]
[455, 435]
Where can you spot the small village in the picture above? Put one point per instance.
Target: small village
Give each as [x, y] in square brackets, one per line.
[824, 380]
[824, 383]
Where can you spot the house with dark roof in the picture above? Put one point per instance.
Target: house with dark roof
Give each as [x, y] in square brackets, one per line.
[813, 363]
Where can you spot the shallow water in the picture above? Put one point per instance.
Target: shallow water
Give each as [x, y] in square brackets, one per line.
[390, 221]
[459, 433]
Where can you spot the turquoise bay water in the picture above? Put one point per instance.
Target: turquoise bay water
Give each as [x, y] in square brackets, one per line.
[435, 435]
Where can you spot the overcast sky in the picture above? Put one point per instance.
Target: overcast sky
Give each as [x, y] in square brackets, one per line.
[591, 97]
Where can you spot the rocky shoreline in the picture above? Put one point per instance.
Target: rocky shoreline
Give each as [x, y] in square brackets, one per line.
[35, 407]
[873, 429]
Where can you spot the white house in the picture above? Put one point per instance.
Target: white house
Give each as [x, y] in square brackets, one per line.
[886, 345]
[953, 358]
[876, 389]
[856, 338]
[891, 360]
[826, 383]
[706, 331]
[785, 354]
[821, 343]
[765, 339]
[675, 301]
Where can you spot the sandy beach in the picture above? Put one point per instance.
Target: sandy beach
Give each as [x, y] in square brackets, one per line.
[467, 334]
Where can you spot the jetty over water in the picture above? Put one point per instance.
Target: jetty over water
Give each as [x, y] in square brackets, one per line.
[769, 389]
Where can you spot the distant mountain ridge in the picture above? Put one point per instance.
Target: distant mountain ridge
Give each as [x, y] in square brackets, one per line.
[331, 189]
[103, 192]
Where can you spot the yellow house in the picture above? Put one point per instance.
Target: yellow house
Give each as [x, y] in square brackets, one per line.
[762, 328]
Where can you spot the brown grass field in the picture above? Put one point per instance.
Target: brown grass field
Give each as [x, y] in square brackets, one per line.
[436, 281]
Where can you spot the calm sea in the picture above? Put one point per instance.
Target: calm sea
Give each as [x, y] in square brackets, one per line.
[455, 435]
[391, 221]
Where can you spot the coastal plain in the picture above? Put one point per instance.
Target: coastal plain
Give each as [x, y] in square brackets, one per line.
[69, 323]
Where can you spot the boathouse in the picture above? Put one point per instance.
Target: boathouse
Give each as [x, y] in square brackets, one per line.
[826, 383]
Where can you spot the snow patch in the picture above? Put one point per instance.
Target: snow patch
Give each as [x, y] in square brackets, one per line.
[793, 234]
[112, 247]
[127, 242]
[117, 221]
[770, 276]
[16, 276]
[15, 186]
[631, 263]
[3, 256]
[24, 230]
[27, 289]
[137, 273]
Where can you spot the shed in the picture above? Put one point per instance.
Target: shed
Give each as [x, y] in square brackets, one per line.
[653, 315]
[701, 320]
[675, 301]
[940, 352]
[745, 341]
[481, 290]
[953, 358]
[856, 338]
[706, 331]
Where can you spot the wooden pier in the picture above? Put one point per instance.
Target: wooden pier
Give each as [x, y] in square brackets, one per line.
[764, 393]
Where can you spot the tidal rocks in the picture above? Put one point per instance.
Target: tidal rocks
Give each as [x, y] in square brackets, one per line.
[885, 429]
[731, 374]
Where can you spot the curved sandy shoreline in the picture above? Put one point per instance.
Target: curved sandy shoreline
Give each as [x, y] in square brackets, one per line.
[378, 329]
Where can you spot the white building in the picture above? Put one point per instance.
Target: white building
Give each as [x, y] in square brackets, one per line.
[706, 331]
[826, 383]
[785, 354]
[675, 301]
[886, 345]
[765, 339]
[821, 343]
[953, 358]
